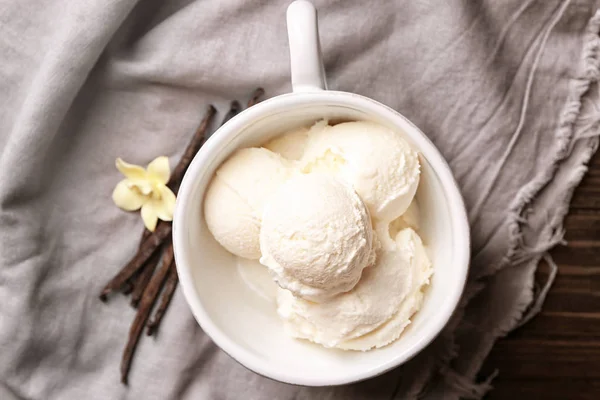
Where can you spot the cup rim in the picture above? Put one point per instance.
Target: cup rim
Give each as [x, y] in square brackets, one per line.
[229, 132]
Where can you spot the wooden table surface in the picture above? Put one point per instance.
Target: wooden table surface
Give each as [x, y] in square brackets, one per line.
[557, 354]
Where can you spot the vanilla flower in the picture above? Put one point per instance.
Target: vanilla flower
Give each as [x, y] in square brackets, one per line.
[146, 189]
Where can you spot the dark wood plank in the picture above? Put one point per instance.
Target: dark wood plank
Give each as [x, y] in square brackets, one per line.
[557, 354]
[547, 389]
[587, 195]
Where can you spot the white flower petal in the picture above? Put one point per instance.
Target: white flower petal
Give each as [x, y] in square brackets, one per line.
[149, 216]
[134, 173]
[126, 198]
[168, 198]
[158, 170]
[163, 206]
[163, 214]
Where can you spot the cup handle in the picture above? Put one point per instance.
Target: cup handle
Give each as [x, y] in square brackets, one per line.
[306, 62]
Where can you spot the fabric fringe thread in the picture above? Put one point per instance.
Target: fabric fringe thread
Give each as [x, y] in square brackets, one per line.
[573, 127]
[566, 136]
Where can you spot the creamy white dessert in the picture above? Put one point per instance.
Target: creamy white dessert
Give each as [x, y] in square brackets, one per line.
[378, 163]
[236, 197]
[330, 213]
[375, 312]
[292, 144]
[316, 237]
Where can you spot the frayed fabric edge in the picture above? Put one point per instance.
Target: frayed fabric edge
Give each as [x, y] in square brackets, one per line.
[531, 305]
[566, 135]
[518, 253]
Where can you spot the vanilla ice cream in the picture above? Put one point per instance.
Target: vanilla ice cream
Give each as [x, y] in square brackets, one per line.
[409, 244]
[410, 219]
[375, 312]
[234, 202]
[378, 163]
[330, 213]
[290, 145]
[316, 237]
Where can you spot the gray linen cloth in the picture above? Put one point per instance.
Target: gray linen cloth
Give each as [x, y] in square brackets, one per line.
[504, 89]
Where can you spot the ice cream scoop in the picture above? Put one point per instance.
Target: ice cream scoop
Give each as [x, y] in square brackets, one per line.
[316, 237]
[410, 219]
[379, 164]
[234, 202]
[375, 312]
[290, 145]
[410, 246]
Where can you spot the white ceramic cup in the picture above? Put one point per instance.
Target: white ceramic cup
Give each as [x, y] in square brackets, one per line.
[246, 326]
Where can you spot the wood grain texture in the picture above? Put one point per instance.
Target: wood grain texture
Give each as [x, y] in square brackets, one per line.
[557, 354]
